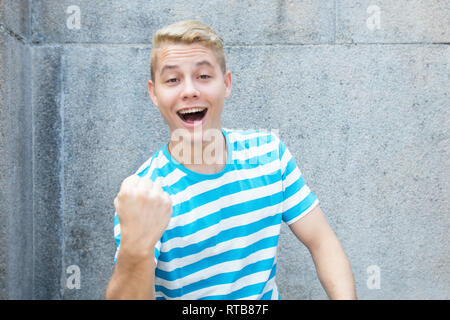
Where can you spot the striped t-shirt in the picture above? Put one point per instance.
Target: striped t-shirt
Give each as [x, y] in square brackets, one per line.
[221, 241]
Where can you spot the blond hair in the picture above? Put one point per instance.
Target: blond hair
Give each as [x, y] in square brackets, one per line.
[187, 32]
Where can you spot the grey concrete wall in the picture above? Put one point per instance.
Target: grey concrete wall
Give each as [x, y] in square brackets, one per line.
[361, 102]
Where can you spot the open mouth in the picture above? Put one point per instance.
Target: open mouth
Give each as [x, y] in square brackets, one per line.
[192, 115]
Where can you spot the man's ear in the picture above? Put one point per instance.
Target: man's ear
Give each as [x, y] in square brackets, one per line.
[151, 92]
[227, 81]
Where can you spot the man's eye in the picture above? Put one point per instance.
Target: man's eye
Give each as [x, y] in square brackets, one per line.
[205, 76]
[172, 80]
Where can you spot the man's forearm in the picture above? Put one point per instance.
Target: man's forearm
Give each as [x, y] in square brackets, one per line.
[132, 281]
[334, 270]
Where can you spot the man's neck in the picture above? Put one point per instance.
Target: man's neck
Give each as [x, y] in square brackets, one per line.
[208, 157]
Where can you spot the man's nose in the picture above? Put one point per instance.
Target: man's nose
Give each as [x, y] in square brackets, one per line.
[190, 90]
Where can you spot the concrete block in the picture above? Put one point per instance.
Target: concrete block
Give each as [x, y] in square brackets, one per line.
[392, 21]
[340, 120]
[250, 22]
[16, 228]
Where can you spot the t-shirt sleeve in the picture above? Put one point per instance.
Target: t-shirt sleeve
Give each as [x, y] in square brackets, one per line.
[298, 199]
[116, 234]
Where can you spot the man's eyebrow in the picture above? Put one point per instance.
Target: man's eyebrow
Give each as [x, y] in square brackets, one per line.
[204, 62]
[198, 64]
[168, 66]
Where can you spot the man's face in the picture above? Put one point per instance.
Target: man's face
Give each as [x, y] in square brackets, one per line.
[187, 77]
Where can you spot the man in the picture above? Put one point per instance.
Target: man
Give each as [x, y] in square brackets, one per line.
[201, 218]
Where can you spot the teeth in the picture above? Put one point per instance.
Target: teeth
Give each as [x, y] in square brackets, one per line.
[192, 110]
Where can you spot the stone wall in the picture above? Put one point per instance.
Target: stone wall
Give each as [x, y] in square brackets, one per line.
[358, 92]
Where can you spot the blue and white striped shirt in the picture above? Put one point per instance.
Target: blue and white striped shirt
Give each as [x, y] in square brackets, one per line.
[221, 241]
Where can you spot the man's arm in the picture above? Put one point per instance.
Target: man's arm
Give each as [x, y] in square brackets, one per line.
[132, 279]
[332, 265]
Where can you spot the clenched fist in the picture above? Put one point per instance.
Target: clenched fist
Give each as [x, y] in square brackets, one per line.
[144, 211]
